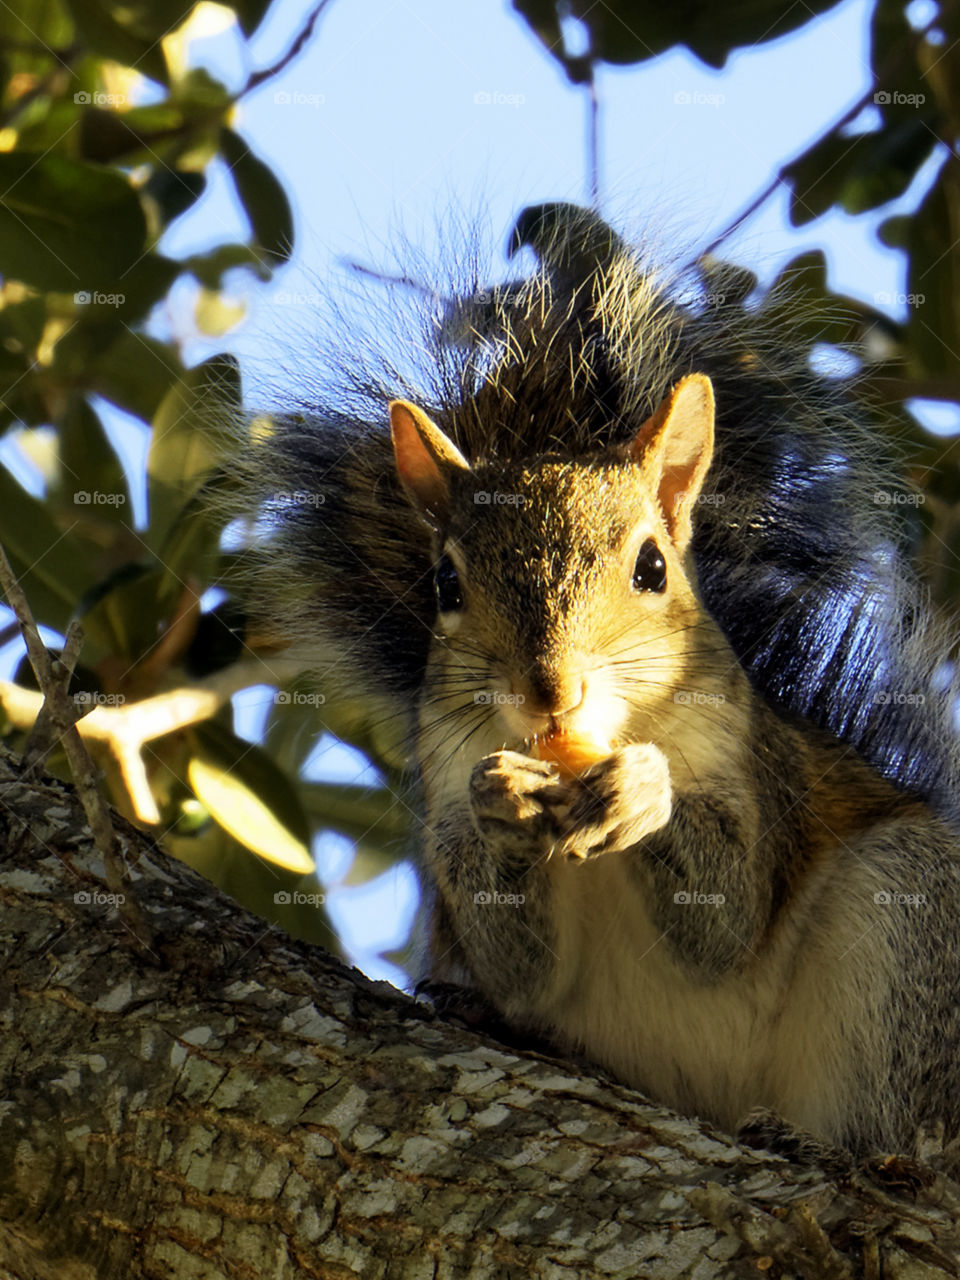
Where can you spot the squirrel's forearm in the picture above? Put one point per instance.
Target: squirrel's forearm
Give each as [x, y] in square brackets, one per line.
[499, 909]
[705, 890]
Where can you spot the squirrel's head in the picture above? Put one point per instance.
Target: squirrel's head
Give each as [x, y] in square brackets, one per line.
[563, 586]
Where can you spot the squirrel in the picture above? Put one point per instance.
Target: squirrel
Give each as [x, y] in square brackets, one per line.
[678, 709]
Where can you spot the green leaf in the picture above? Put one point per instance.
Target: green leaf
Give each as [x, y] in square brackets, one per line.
[174, 191]
[106, 135]
[185, 446]
[136, 372]
[859, 172]
[88, 464]
[371, 860]
[130, 31]
[269, 891]
[628, 31]
[933, 281]
[215, 314]
[250, 14]
[263, 198]
[209, 268]
[362, 813]
[250, 797]
[65, 225]
[191, 548]
[52, 568]
[124, 615]
[46, 25]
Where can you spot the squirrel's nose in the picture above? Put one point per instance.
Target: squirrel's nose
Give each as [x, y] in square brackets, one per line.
[549, 691]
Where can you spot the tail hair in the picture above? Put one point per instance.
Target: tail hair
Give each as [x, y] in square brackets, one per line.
[800, 548]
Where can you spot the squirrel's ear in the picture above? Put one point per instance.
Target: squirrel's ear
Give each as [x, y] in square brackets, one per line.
[425, 459]
[675, 445]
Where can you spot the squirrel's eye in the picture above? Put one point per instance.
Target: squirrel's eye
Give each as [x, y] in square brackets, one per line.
[650, 571]
[446, 583]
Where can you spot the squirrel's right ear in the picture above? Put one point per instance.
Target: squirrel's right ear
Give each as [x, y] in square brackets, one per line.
[425, 460]
[675, 445]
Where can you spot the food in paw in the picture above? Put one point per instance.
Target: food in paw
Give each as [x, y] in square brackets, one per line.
[573, 753]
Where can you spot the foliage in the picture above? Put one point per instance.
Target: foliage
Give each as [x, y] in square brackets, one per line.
[106, 138]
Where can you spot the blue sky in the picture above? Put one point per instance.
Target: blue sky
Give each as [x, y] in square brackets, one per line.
[397, 108]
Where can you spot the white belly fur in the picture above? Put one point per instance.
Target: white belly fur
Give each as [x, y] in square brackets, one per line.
[785, 1032]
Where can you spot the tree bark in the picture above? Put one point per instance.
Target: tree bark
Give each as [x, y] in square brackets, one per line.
[228, 1103]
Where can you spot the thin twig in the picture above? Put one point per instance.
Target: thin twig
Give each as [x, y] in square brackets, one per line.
[258, 77]
[62, 712]
[865, 100]
[593, 140]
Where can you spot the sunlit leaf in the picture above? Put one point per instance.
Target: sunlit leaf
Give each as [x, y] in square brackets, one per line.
[250, 798]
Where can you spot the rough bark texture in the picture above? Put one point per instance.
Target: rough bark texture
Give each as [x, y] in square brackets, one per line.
[229, 1103]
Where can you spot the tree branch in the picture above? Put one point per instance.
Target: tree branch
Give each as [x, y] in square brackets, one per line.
[246, 1106]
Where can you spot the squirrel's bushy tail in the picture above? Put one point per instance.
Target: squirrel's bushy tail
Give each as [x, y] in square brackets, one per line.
[800, 553]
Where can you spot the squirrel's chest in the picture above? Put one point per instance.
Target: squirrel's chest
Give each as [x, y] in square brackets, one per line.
[621, 997]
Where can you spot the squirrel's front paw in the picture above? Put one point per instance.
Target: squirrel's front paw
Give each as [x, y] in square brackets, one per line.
[617, 802]
[513, 801]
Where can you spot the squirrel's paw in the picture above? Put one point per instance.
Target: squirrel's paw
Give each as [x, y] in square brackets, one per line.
[767, 1130]
[514, 802]
[617, 802]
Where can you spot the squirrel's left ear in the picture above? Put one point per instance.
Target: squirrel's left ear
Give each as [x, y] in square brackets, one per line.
[675, 447]
[425, 460]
